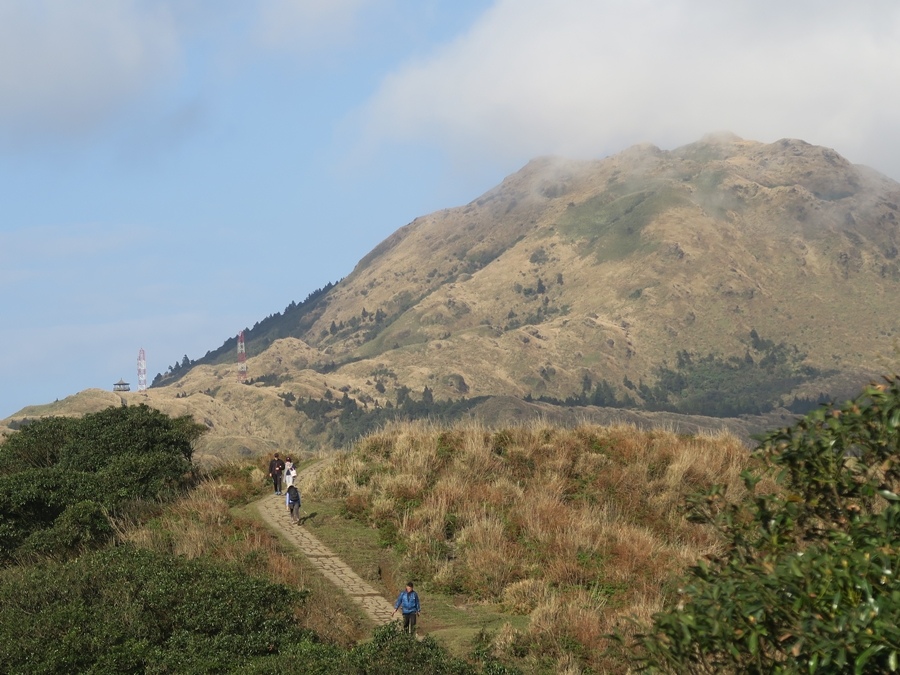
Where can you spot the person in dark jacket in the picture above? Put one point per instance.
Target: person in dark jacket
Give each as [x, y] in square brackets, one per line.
[293, 501]
[276, 468]
[408, 604]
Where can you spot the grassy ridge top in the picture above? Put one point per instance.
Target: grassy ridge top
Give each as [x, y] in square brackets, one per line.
[579, 529]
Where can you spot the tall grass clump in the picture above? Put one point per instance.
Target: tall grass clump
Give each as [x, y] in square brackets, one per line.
[578, 528]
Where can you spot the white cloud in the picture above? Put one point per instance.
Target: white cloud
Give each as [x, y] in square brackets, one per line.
[65, 67]
[68, 69]
[589, 77]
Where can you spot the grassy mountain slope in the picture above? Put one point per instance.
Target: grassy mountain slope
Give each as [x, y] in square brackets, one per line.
[725, 270]
[611, 267]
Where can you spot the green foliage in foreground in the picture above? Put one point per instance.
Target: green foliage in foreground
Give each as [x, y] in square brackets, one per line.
[124, 610]
[60, 477]
[808, 581]
[389, 652]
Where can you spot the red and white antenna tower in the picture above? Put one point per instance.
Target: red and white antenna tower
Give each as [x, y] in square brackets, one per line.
[142, 370]
[242, 358]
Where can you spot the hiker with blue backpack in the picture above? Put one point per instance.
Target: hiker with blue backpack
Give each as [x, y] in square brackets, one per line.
[292, 501]
[408, 603]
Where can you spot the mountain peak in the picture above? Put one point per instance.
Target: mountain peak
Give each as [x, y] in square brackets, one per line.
[726, 276]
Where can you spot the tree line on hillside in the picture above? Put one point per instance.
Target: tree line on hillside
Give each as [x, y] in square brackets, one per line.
[709, 385]
[712, 385]
[344, 420]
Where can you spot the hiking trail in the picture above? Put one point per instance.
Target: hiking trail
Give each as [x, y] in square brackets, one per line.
[273, 511]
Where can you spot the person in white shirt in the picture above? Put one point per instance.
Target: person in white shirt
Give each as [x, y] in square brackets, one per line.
[289, 472]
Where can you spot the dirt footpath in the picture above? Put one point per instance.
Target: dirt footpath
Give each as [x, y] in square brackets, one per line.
[273, 510]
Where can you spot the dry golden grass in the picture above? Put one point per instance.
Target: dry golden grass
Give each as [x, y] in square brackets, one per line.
[581, 529]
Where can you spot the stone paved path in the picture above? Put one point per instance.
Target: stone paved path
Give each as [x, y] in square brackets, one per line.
[274, 512]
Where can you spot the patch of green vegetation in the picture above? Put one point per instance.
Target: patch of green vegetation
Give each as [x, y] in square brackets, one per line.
[269, 380]
[60, 478]
[127, 610]
[481, 257]
[806, 581]
[400, 329]
[709, 181]
[611, 229]
[603, 394]
[714, 385]
[539, 256]
[346, 421]
[725, 387]
[710, 194]
[702, 152]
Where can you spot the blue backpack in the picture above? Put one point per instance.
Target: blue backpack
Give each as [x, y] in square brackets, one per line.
[293, 495]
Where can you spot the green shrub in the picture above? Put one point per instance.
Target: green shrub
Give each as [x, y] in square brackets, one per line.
[83, 526]
[112, 459]
[389, 652]
[808, 579]
[127, 610]
[392, 651]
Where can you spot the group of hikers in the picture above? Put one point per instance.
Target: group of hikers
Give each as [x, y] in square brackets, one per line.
[283, 472]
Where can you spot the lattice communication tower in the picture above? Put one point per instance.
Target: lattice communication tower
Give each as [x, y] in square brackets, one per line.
[142, 370]
[242, 358]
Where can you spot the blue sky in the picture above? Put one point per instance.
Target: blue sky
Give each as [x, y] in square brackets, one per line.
[172, 171]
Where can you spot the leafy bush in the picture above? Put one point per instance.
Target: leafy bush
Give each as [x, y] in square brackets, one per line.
[808, 579]
[101, 463]
[126, 610]
[389, 652]
[392, 651]
[80, 527]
